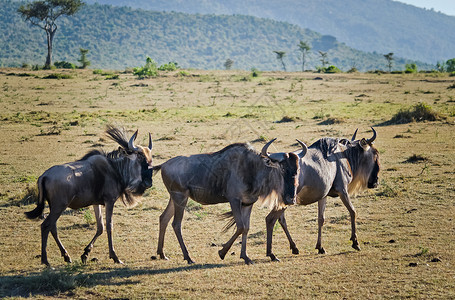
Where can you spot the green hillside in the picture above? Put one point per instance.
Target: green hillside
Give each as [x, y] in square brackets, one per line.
[121, 37]
[369, 25]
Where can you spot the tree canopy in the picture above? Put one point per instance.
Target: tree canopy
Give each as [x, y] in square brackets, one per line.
[44, 13]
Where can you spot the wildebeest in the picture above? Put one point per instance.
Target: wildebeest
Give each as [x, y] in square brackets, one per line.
[236, 174]
[332, 167]
[96, 179]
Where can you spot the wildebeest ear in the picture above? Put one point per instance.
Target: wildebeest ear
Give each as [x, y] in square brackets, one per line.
[364, 144]
[344, 141]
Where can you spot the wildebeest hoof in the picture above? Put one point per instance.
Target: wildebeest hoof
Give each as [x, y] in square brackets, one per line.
[248, 261]
[118, 261]
[273, 257]
[221, 254]
[162, 256]
[295, 251]
[190, 261]
[67, 258]
[356, 246]
[321, 250]
[84, 258]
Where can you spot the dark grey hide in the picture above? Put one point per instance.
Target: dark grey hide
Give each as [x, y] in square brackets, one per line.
[97, 179]
[332, 167]
[236, 174]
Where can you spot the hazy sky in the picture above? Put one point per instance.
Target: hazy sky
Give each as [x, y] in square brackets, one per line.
[445, 6]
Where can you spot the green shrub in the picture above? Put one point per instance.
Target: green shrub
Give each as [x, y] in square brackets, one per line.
[418, 113]
[149, 70]
[411, 68]
[255, 72]
[171, 66]
[64, 65]
[450, 65]
[330, 69]
[58, 76]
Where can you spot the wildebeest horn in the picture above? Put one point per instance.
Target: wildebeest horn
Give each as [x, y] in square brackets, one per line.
[131, 142]
[304, 149]
[266, 146]
[150, 146]
[370, 141]
[355, 133]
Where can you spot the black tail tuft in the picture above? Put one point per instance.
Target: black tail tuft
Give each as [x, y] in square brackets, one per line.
[231, 221]
[38, 211]
[156, 169]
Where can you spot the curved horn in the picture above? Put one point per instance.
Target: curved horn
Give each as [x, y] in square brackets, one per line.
[370, 141]
[131, 142]
[353, 136]
[150, 146]
[266, 146]
[302, 153]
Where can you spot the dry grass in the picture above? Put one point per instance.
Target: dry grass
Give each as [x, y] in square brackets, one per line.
[405, 227]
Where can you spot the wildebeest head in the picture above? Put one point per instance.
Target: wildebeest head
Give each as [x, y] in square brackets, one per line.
[288, 163]
[138, 170]
[367, 162]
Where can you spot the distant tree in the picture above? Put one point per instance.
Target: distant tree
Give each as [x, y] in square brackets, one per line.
[83, 60]
[441, 66]
[389, 57]
[304, 47]
[44, 13]
[280, 55]
[450, 65]
[324, 59]
[228, 64]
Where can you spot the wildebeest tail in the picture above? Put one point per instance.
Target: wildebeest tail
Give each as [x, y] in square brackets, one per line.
[231, 221]
[156, 169]
[38, 211]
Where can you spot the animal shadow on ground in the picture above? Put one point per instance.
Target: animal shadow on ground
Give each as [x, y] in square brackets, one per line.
[52, 282]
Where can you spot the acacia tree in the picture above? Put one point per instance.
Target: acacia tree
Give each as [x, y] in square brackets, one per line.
[324, 60]
[83, 60]
[279, 56]
[304, 47]
[228, 64]
[389, 57]
[44, 13]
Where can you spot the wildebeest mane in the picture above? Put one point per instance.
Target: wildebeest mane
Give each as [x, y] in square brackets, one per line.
[262, 177]
[360, 173]
[120, 163]
[326, 145]
[118, 135]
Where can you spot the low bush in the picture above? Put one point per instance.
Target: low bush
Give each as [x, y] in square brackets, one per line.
[64, 65]
[418, 113]
[149, 70]
[171, 66]
[58, 76]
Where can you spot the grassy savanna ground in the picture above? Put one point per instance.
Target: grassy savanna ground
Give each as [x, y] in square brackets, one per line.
[405, 226]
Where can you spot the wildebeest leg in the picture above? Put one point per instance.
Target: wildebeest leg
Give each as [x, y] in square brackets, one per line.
[246, 213]
[321, 209]
[347, 202]
[109, 229]
[270, 221]
[283, 224]
[99, 231]
[164, 221]
[236, 207]
[50, 223]
[65, 254]
[180, 201]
